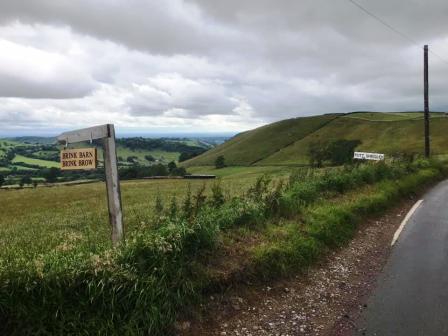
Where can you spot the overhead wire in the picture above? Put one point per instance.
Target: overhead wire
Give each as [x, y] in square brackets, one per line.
[395, 30]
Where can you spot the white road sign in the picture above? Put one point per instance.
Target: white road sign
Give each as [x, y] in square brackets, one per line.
[368, 156]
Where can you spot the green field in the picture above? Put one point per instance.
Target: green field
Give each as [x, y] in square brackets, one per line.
[40, 156]
[124, 152]
[163, 156]
[59, 274]
[287, 142]
[53, 213]
[38, 162]
[238, 172]
[391, 116]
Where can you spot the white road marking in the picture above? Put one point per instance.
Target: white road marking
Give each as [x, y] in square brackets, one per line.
[405, 220]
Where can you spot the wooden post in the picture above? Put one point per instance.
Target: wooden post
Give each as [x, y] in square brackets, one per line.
[426, 99]
[107, 133]
[113, 186]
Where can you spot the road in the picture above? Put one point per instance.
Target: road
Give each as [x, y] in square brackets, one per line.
[411, 297]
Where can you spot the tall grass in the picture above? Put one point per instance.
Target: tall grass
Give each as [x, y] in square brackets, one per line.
[139, 287]
[327, 224]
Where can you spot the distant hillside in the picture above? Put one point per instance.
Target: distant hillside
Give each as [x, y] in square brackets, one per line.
[250, 147]
[286, 142]
[28, 153]
[34, 140]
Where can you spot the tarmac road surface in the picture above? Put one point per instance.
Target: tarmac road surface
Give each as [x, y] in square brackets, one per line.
[411, 297]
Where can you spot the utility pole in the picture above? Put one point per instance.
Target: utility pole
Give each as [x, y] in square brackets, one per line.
[426, 93]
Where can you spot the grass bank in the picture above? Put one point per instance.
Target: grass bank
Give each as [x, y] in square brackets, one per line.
[330, 224]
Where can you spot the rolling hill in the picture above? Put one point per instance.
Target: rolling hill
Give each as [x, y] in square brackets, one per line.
[250, 147]
[286, 142]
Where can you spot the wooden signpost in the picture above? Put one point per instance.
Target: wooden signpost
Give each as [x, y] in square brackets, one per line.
[368, 156]
[85, 158]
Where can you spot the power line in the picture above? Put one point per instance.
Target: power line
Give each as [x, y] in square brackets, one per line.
[395, 30]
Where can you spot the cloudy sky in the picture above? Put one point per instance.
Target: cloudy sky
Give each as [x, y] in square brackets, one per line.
[211, 66]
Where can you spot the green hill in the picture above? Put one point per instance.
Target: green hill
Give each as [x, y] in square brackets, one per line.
[287, 142]
[250, 147]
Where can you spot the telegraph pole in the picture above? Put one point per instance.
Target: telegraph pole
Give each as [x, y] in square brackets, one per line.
[426, 93]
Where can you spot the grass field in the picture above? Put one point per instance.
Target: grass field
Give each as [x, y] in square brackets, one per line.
[59, 274]
[53, 213]
[38, 162]
[241, 172]
[392, 116]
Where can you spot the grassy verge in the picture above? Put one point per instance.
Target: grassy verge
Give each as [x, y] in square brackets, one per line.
[331, 224]
[80, 288]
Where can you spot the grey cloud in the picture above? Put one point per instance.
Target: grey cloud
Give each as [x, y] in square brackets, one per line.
[158, 26]
[57, 89]
[196, 58]
[177, 96]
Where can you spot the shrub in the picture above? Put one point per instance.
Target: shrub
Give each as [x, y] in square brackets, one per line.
[220, 162]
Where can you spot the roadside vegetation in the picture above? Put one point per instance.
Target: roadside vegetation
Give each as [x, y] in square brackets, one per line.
[59, 274]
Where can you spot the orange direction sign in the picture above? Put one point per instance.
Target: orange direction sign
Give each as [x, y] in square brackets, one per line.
[79, 158]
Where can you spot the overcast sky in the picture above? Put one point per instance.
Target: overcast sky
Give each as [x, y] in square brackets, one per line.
[211, 66]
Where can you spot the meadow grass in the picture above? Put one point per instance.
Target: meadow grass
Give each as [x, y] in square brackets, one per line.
[295, 245]
[59, 275]
[49, 215]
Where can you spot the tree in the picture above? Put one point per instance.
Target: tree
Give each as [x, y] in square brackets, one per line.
[2, 180]
[132, 159]
[51, 175]
[220, 162]
[25, 180]
[317, 153]
[179, 171]
[184, 157]
[158, 170]
[149, 158]
[337, 152]
[171, 166]
[341, 151]
[10, 155]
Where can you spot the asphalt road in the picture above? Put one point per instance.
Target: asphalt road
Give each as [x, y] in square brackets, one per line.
[411, 297]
